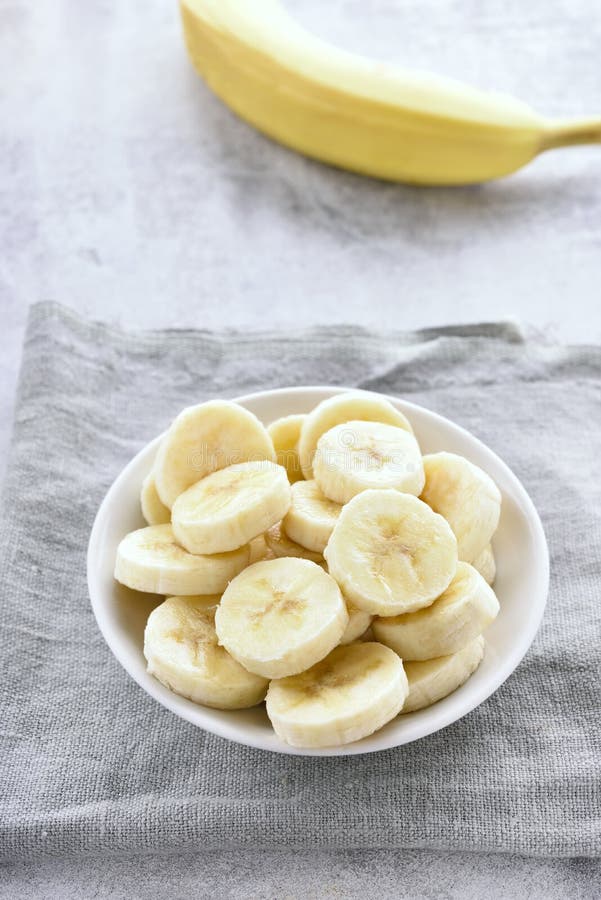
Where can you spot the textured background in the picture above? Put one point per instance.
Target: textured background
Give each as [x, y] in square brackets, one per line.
[128, 192]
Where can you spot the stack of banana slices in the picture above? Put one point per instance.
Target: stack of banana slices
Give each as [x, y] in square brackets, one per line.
[321, 564]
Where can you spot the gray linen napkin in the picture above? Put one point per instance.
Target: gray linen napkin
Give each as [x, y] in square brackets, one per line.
[88, 762]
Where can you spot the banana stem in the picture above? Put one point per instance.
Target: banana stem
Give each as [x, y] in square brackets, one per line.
[571, 133]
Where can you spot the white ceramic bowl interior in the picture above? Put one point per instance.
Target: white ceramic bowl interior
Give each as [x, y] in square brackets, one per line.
[521, 585]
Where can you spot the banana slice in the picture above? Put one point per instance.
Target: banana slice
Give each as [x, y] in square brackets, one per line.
[285, 434]
[153, 510]
[458, 616]
[350, 694]
[433, 679]
[181, 647]
[356, 456]
[203, 439]
[390, 553]
[228, 508]
[281, 546]
[466, 496]
[150, 560]
[486, 565]
[358, 623]
[281, 616]
[259, 550]
[354, 406]
[311, 517]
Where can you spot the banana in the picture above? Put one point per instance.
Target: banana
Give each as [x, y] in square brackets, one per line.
[434, 679]
[459, 615]
[182, 652]
[486, 565]
[153, 510]
[358, 623]
[390, 553]
[203, 439]
[281, 616]
[466, 496]
[281, 546]
[311, 517]
[355, 456]
[361, 114]
[350, 694]
[150, 560]
[351, 406]
[285, 433]
[228, 508]
[259, 550]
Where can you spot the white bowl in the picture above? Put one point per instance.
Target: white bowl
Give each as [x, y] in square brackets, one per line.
[521, 585]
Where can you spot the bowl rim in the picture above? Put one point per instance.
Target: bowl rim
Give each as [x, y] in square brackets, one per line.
[439, 715]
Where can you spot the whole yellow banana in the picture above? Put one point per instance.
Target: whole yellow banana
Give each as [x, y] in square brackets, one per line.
[359, 114]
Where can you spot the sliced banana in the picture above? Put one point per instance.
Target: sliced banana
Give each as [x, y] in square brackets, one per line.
[486, 565]
[281, 616]
[466, 496]
[358, 623]
[281, 546]
[228, 508]
[357, 456]
[259, 550]
[459, 615]
[350, 694]
[390, 553]
[352, 406]
[203, 439]
[151, 560]
[153, 510]
[311, 517]
[433, 679]
[285, 434]
[181, 647]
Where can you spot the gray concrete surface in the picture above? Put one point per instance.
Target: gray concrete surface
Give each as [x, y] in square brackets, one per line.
[128, 192]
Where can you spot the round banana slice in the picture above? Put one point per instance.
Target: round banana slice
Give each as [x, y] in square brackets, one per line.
[151, 560]
[281, 546]
[358, 623]
[353, 406]
[357, 456]
[433, 679]
[153, 510]
[459, 615]
[228, 508]
[390, 553]
[466, 496]
[311, 517]
[203, 439]
[285, 434]
[182, 651]
[281, 616]
[348, 695]
[486, 565]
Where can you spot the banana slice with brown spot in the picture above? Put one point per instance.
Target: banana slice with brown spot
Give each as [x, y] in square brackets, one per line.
[229, 508]
[351, 406]
[347, 696]
[358, 456]
[183, 653]
[390, 553]
[281, 616]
